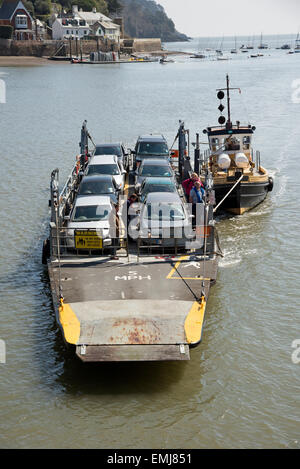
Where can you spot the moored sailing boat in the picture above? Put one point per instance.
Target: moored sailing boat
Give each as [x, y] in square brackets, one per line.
[240, 182]
[262, 45]
[297, 45]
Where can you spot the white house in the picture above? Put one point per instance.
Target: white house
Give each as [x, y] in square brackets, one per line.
[69, 27]
[79, 23]
[107, 30]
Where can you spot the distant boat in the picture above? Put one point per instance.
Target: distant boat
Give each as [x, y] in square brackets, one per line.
[222, 57]
[199, 54]
[262, 45]
[297, 45]
[285, 47]
[164, 60]
[234, 51]
[250, 47]
[243, 49]
[220, 50]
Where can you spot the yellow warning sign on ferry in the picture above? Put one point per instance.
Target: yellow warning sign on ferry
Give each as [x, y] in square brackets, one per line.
[87, 240]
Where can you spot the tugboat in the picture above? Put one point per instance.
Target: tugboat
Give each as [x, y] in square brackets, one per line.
[240, 182]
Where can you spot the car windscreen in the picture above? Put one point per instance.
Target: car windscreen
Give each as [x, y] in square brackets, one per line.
[111, 169]
[91, 213]
[155, 171]
[96, 188]
[164, 212]
[153, 148]
[108, 150]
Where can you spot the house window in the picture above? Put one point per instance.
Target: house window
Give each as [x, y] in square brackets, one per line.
[21, 21]
[67, 31]
[85, 31]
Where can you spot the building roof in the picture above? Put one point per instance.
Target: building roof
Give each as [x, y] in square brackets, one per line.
[91, 16]
[8, 8]
[107, 25]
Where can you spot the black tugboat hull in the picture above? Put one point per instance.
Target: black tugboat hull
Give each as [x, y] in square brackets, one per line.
[244, 197]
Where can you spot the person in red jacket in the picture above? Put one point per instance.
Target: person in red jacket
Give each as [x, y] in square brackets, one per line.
[188, 184]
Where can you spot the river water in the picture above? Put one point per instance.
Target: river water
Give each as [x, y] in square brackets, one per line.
[241, 387]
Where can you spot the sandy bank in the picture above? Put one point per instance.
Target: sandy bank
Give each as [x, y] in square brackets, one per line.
[23, 61]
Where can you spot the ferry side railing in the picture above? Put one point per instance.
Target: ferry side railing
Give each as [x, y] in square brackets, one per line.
[64, 245]
[145, 248]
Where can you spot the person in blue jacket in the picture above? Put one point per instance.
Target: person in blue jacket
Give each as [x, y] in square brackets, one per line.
[197, 195]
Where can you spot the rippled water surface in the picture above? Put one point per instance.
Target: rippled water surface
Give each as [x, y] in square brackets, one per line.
[241, 388]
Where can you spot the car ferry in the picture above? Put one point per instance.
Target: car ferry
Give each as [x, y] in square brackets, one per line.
[240, 182]
[120, 296]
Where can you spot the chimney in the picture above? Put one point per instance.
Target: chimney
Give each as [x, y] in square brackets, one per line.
[94, 10]
[74, 9]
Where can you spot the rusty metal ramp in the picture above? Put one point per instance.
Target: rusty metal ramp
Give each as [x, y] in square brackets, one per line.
[152, 310]
[109, 329]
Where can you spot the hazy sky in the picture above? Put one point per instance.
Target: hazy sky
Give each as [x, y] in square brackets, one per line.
[234, 17]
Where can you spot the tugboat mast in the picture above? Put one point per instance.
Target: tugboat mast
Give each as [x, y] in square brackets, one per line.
[227, 89]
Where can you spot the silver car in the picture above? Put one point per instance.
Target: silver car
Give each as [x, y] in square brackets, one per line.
[107, 165]
[164, 220]
[92, 223]
[153, 168]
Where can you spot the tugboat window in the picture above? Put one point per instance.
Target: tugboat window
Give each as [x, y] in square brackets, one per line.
[246, 143]
[214, 143]
[232, 144]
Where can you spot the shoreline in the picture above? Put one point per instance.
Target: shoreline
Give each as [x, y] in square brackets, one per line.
[22, 61]
[31, 61]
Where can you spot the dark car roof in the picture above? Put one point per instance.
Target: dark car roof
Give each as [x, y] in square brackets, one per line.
[151, 138]
[155, 161]
[108, 145]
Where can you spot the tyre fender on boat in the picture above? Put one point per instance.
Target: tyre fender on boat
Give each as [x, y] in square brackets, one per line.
[271, 184]
[46, 251]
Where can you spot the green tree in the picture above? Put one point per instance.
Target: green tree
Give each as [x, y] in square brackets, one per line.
[29, 6]
[42, 7]
[101, 6]
[114, 6]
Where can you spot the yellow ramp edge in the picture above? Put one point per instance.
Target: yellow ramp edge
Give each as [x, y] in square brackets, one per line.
[70, 323]
[194, 322]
